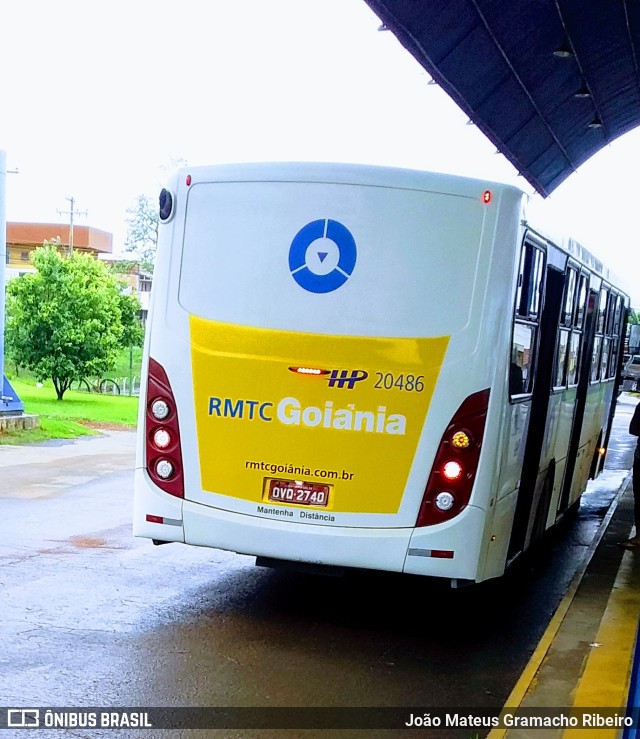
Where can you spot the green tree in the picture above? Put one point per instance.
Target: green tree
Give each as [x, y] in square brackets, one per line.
[142, 231]
[122, 267]
[132, 331]
[67, 320]
[133, 334]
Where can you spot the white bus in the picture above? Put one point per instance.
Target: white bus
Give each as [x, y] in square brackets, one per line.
[365, 367]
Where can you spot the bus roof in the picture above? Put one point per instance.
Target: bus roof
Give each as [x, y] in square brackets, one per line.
[397, 177]
[360, 174]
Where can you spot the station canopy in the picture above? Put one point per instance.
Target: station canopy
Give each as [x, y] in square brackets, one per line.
[549, 82]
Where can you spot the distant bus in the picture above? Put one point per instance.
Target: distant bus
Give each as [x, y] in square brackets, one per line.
[364, 367]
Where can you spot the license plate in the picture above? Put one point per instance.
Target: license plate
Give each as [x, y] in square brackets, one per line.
[298, 492]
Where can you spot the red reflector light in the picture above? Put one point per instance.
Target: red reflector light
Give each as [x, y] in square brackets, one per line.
[154, 519]
[486, 197]
[188, 180]
[442, 553]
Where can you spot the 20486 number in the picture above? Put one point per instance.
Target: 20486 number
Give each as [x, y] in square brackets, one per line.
[389, 381]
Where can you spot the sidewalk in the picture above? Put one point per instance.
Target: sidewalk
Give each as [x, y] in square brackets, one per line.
[585, 658]
[41, 470]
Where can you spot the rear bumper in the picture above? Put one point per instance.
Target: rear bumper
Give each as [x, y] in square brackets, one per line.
[378, 549]
[149, 500]
[394, 550]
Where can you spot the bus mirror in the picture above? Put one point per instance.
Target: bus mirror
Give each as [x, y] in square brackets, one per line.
[166, 205]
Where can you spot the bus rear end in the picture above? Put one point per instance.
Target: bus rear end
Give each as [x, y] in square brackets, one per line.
[316, 391]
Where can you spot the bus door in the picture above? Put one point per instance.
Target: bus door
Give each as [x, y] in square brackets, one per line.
[622, 316]
[551, 291]
[581, 398]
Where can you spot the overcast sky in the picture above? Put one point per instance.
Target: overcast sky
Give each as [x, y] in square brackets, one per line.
[100, 98]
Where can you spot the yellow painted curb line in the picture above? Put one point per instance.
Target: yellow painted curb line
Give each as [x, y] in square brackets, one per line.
[527, 678]
[602, 683]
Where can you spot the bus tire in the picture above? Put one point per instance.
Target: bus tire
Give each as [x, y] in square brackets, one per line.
[542, 511]
[596, 461]
[571, 512]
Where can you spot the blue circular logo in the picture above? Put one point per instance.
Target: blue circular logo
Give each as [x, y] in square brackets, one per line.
[322, 256]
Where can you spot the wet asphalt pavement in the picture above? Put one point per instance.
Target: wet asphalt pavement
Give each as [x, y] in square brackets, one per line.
[90, 616]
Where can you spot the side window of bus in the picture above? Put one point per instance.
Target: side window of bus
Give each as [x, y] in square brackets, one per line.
[611, 343]
[605, 358]
[575, 343]
[530, 282]
[600, 358]
[595, 359]
[526, 320]
[561, 358]
[570, 296]
[570, 332]
[618, 315]
[522, 352]
[573, 360]
[581, 305]
[615, 331]
[602, 311]
[611, 314]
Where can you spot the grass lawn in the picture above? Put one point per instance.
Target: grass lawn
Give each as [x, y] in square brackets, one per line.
[77, 414]
[126, 362]
[122, 363]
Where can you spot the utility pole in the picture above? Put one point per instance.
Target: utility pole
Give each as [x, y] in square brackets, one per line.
[3, 248]
[10, 403]
[71, 212]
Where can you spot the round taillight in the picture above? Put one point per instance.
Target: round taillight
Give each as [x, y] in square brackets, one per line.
[161, 438]
[160, 409]
[461, 440]
[164, 469]
[452, 470]
[444, 501]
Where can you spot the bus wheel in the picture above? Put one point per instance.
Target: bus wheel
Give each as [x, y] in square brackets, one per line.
[596, 462]
[572, 511]
[542, 511]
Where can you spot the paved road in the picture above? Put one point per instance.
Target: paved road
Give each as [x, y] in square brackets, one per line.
[51, 468]
[91, 616]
